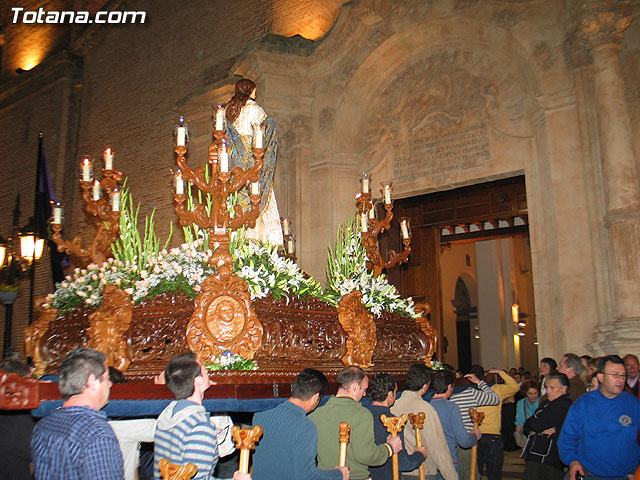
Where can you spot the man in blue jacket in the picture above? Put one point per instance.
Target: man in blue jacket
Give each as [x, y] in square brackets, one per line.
[599, 436]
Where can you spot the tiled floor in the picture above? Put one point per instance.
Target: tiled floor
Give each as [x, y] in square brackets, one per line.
[513, 467]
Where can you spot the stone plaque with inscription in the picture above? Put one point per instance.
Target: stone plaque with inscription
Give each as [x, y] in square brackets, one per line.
[442, 154]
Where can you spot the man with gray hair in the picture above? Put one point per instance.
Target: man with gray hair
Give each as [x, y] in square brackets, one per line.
[571, 366]
[75, 441]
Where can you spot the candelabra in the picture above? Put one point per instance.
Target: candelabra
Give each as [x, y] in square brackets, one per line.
[289, 240]
[224, 318]
[371, 227]
[102, 200]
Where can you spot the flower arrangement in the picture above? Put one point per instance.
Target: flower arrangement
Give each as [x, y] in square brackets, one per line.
[266, 272]
[347, 271]
[436, 365]
[229, 361]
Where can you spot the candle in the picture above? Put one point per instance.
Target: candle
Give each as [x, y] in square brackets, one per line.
[372, 212]
[291, 245]
[107, 157]
[387, 193]
[57, 213]
[255, 188]
[258, 135]
[285, 226]
[365, 178]
[86, 169]
[181, 133]
[223, 157]
[96, 191]
[220, 117]
[179, 183]
[115, 200]
[364, 222]
[404, 228]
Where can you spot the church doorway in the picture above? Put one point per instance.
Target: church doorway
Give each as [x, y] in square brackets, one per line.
[471, 262]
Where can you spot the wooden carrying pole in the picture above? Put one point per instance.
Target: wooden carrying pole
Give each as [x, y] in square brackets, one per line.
[394, 427]
[417, 422]
[476, 418]
[345, 430]
[245, 441]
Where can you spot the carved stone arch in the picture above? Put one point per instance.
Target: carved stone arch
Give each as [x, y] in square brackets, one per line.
[379, 69]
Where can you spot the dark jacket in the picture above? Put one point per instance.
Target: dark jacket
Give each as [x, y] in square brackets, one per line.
[549, 414]
[576, 387]
[406, 462]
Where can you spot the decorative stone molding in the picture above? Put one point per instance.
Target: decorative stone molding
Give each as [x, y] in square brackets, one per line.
[508, 19]
[327, 119]
[543, 56]
[604, 21]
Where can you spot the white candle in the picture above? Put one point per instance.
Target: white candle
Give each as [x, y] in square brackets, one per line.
[223, 157]
[290, 245]
[372, 212]
[220, 118]
[285, 226]
[258, 136]
[86, 169]
[179, 183]
[404, 228]
[181, 136]
[57, 214]
[255, 188]
[107, 156]
[387, 193]
[115, 201]
[96, 191]
[364, 222]
[365, 182]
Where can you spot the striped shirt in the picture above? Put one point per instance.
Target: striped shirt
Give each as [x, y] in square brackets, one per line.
[76, 443]
[184, 435]
[472, 398]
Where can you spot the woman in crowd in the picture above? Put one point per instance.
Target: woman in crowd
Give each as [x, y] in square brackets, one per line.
[542, 461]
[547, 365]
[525, 407]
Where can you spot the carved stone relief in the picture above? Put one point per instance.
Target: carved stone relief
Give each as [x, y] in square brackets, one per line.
[327, 119]
[543, 56]
[508, 19]
[443, 91]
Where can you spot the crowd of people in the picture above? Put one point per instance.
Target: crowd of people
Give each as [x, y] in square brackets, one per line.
[578, 420]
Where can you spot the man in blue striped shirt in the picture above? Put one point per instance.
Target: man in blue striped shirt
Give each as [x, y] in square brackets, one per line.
[184, 433]
[75, 442]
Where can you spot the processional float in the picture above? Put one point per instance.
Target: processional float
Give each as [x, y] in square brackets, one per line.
[281, 336]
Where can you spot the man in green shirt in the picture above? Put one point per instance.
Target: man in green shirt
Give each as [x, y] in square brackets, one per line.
[362, 451]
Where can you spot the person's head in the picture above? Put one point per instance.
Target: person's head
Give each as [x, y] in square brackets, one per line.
[547, 365]
[478, 371]
[512, 371]
[418, 376]
[244, 90]
[187, 377]
[309, 387]
[84, 373]
[517, 377]
[611, 375]
[530, 389]
[442, 382]
[383, 388]
[459, 373]
[557, 384]
[11, 365]
[593, 383]
[353, 381]
[116, 376]
[631, 365]
[527, 375]
[570, 365]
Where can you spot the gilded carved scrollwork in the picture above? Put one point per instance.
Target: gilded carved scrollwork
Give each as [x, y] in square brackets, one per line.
[108, 326]
[17, 393]
[34, 334]
[224, 319]
[358, 323]
[423, 309]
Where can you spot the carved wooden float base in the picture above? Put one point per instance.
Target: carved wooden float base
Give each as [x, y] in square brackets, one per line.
[140, 339]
